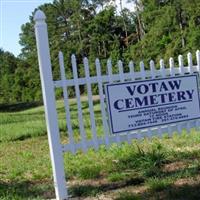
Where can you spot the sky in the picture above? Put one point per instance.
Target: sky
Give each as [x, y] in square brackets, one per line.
[14, 13]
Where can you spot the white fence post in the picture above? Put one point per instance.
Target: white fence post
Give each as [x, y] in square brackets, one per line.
[50, 105]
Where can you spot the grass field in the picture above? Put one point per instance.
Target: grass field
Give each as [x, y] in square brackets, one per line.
[161, 168]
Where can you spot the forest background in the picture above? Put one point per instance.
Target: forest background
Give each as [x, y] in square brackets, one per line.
[155, 29]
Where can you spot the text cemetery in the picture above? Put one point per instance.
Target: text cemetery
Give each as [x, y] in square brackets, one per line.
[140, 104]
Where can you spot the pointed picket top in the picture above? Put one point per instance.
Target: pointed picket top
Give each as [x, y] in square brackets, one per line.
[171, 65]
[73, 58]
[60, 53]
[121, 71]
[85, 60]
[162, 68]
[120, 65]
[131, 70]
[39, 16]
[189, 57]
[190, 64]
[60, 56]
[181, 66]
[198, 60]
[98, 67]
[74, 66]
[109, 70]
[61, 64]
[152, 68]
[152, 65]
[97, 62]
[109, 62]
[131, 66]
[86, 67]
[142, 70]
[162, 65]
[141, 66]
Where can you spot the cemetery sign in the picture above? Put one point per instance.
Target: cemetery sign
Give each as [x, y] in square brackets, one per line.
[148, 103]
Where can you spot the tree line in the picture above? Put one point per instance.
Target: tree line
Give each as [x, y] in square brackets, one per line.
[98, 28]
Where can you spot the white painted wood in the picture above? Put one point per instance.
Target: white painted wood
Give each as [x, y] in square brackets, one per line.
[121, 71]
[152, 68]
[102, 103]
[131, 71]
[78, 98]
[143, 76]
[198, 60]
[172, 74]
[90, 101]
[110, 75]
[198, 71]
[153, 76]
[66, 102]
[181, 66]
[123, 137]
[48, 86]
[189, 57]
[122, 79]
[171, 67]
[132, 74]
[142, 71]
[115, 77]
[181, 72]
[50, 105]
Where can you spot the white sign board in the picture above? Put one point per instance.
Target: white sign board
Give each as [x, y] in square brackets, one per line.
[148, 103]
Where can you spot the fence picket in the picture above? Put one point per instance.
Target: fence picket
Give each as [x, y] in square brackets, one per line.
[132, 78]
[171, 66]
[122, 79]
[48, 86]
[198, 60]
[80, 114]
[90, 101]
[110, 74]
[143, 76]
[66, 102]
[181, 72]
[102, 103]
[131, 70]
[190, 64]
[198, 71]
[152, 69]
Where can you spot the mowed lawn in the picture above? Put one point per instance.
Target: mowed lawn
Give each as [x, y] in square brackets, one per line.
[161, 168]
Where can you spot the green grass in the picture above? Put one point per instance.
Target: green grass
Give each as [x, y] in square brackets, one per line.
[157, 184]
[25, 168]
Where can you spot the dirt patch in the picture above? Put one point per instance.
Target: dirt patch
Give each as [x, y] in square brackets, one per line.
[188, 181]
[184, 181]
[85, 98]
[178, 165]
[103, 189]
[113, 194]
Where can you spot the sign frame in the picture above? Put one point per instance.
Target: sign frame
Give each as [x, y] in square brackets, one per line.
[110, 118]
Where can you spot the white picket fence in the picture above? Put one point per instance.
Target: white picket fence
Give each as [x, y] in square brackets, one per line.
[48, 86]
[100, 80]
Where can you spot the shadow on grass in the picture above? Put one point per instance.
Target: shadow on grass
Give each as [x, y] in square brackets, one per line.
[186, 191]
[183, 192]
[26, 190]
[19, 106]
[175, 192]
[93, 190]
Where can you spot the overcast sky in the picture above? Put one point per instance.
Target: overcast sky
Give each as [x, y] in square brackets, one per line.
[14, 13]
